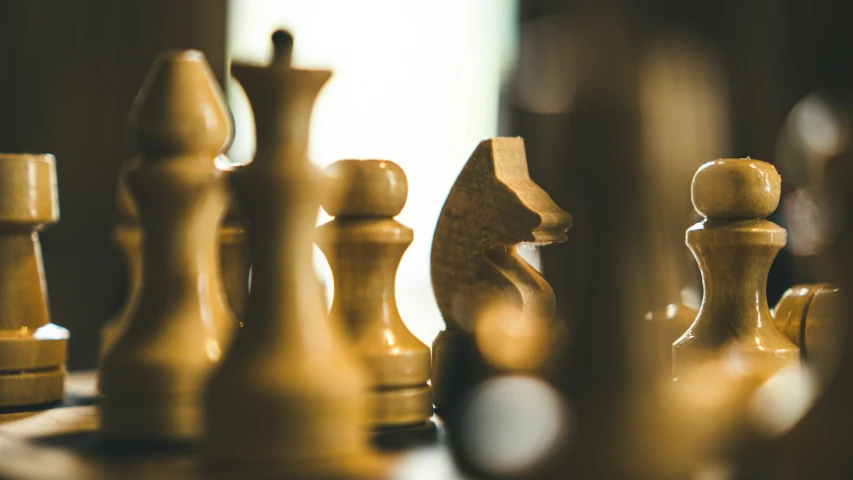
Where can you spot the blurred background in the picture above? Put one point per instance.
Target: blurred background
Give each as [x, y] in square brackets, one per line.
[605, 93]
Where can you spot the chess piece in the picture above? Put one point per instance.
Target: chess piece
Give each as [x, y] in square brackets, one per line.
[816, 440]
[289, 399]
[808, 315]
[32, 350]
[734, 247]
[497, 308]
[233, 258]
[234, 251]
[153, 375]
[364, 245]
[664, 326]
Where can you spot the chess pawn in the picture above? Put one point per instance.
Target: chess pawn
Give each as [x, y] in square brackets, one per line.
[32, 350]
[734, 247]
[662, 327]
[152, 377]
[289, 399]
[364, 245]
[808, 316]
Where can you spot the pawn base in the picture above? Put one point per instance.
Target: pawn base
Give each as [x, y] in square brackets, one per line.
[392, 439]
[23, 389]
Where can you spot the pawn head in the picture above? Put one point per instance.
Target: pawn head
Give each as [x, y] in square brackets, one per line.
[736, 189]
[376, 188]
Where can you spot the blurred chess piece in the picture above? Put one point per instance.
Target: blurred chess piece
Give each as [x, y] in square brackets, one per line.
[817, 435]
[734, 247]
[664, 326]
[289, 400]
[153, 375]
[32, 350]
[809, 316]
[233, 258]
[234, 251]
[364, 245]
[128, 238]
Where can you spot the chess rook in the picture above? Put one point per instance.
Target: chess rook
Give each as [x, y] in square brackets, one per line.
[364, 245]
[734, 247]
[497, 308]
[152, 377]
[32, 350]
[289, 398]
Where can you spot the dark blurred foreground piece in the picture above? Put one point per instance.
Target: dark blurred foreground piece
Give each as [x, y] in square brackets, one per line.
[818, 444]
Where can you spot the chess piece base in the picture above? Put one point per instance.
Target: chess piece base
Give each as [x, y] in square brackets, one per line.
[391, 439]
[19, 389]
[150, 419]
[363, 467]
[401, 407]
[23, 350]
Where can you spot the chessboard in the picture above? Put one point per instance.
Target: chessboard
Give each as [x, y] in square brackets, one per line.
[62, 442]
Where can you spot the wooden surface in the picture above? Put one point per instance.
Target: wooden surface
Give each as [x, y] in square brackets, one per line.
[63, 443]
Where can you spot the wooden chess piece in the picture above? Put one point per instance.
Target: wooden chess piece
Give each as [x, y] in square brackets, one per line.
[233, 259]
[289, 399]
[497, 308]
[364, 245]
[234, 251]
[662, 327]
[734, 247]
[817, 445]
[152, 377]
[809, 315]
[32, 350]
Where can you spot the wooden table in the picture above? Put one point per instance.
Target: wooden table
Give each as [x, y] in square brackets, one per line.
[62, 443]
